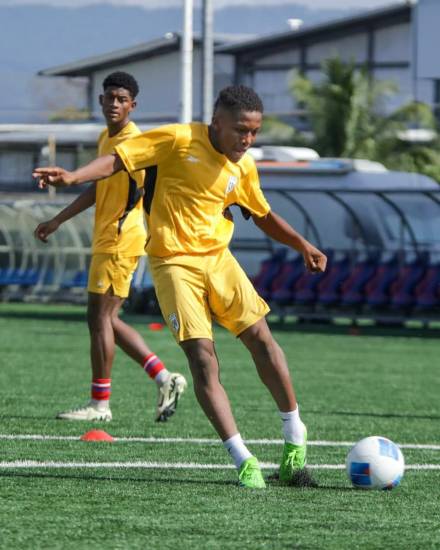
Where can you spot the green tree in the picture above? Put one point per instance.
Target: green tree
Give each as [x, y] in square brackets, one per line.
[400, 153]
[346, 114]
[342, 108]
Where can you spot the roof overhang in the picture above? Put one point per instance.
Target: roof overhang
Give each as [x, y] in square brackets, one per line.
[371, 19]
[168, 43]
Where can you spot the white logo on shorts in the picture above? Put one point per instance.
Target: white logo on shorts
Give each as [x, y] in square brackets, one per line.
[174, 322]
[100, 284]
[233, 180]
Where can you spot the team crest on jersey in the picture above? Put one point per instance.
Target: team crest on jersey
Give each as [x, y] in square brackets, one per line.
[233, 180]
[174, 322]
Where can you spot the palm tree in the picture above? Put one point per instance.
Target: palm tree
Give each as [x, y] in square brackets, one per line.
[346, 114]
[342, 108]
[398, 152]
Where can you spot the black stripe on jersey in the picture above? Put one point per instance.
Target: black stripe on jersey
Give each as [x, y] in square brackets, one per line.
[149, 186]
[134, 194]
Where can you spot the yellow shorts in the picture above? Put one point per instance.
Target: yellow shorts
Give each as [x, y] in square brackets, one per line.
[194, 290]
[111, 270]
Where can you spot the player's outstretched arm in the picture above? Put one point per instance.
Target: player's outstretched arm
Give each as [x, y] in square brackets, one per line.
[81, 203]
[277, 228]
[102, 167]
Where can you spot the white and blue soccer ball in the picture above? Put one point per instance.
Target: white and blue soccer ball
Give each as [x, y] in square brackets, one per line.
[375, 463]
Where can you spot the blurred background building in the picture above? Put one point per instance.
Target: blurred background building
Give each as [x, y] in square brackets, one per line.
[379, 227]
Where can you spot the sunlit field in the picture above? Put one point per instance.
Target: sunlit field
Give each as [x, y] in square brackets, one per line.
[171, 486]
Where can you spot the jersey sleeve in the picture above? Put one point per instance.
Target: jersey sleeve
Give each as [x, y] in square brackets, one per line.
[147, 149]
[139, 178]
[250, 197]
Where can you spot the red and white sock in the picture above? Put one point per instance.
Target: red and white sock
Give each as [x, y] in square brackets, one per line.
[101, 391]
[155, 369]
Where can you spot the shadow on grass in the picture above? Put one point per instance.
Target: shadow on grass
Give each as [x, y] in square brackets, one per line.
[354, 330]
[25, 417]
[271, 480]
[78, 314]
[62, 312]
[377, 415]
[46, 316]
[95, 477]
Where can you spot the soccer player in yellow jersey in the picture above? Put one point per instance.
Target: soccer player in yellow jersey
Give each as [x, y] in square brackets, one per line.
[199, 171]
[118, 242]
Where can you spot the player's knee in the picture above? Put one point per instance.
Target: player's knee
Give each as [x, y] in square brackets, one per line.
[202, 360]
[97, 319]
[261, 343]
[117, 324]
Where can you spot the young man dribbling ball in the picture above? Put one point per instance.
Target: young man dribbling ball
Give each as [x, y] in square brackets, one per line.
[118, 243]
[199, 171]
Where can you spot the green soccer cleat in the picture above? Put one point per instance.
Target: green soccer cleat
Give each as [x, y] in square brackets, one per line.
[249, 474]
[294, 459]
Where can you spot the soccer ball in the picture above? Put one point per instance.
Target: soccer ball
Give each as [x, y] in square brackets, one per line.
[375, 463]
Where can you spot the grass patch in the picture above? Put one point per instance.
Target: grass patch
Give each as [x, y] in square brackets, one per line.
[348, 387]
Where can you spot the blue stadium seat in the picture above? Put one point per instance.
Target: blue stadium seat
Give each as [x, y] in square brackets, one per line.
[49, 277]
[6, 275]
[377, 290]
[329, 289]
[78, 280]
[427, 292]
[269, 269]
[402, 290]
[282, 288]
[305, 290]
[353, 288]
[23, 277]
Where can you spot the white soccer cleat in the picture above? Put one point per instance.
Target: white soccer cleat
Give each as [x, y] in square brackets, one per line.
[169, 395]
[86, 412]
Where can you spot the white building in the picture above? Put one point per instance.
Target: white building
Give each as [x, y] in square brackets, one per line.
[399, 43]
[156, 65]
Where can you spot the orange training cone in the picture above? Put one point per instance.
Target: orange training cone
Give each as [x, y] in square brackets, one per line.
[97, 435]
[156, 326]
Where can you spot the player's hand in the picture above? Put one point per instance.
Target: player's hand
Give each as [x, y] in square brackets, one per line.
[314, 260]
[53, 175]
[44, 229]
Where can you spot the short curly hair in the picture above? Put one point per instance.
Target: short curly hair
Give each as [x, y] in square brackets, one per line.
[120, 79]
[239, 98]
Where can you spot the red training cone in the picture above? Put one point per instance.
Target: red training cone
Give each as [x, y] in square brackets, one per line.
[156, 326]
[97, 435]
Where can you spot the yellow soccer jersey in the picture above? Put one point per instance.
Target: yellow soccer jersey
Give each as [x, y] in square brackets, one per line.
[119, 219]
[189, 184]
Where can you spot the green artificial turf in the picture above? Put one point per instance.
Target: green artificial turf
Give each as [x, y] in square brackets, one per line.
[348, 387]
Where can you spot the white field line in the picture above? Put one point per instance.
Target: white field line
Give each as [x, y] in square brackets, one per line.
[205, 441]
[174, 465]
[25, 464]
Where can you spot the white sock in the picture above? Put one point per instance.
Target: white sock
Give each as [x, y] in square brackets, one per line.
[162, 377]
[100, 405]
[237, 449]
[293, 428]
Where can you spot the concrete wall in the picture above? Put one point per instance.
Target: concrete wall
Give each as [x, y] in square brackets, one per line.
[159, 83]
[389, 51]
